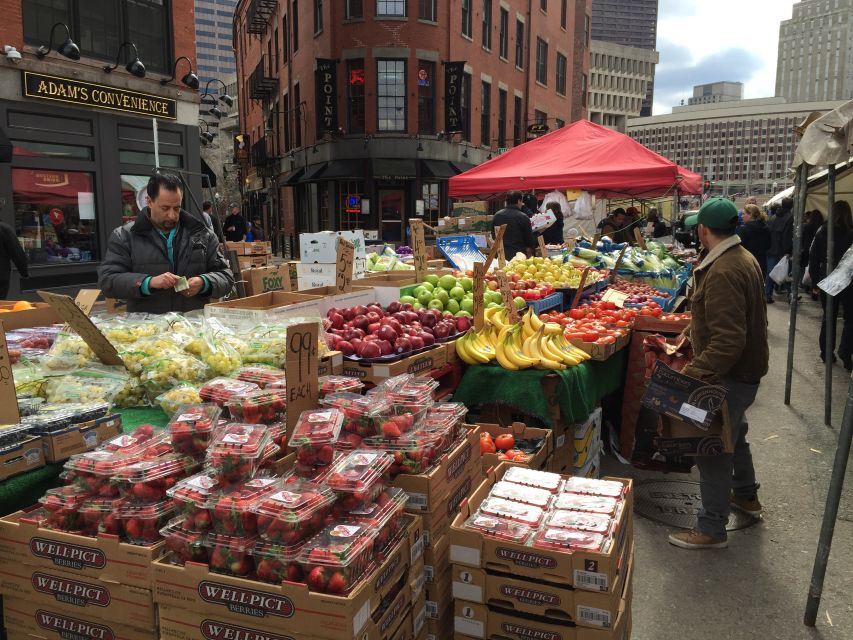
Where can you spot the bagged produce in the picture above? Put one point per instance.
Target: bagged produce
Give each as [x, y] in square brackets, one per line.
[176, 397]
[86, 385]
[69, 351]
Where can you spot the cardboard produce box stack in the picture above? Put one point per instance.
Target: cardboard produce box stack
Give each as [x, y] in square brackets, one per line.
[251, 254]
[586, 453]
[318, 253]
[540, 555]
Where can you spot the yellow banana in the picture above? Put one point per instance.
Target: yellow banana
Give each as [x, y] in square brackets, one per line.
[537, 347]
[535, 322]
[514, 349]
[501, 354]
[479, 346]
[568, 358]
[552, 329]
[463, 352]
[527, 327]
[548, 348]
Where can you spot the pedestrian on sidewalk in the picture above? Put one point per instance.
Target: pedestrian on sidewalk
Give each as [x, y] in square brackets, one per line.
[728, 331]
[754, 235]
[843, 238]
[781, 242]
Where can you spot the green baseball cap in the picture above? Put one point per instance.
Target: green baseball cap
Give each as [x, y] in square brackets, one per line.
[716, 213]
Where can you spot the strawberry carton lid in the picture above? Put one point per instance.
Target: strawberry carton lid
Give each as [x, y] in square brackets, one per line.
[390, 502]
[455, 409]
[523, 513]
[501, 528]
[339, 384]
[239, 544]
[199, 418]
[338, 545]
[411, 396]
[390, 384]
[567, 540]
[156, 468]
[134, 442]
[276, 552]
[355, 406]
[220, 390]
[68, 497]
[592, 504]
[259, 398]
[242, 495]
[531, 478]
[317, 427]
[244, 440]
[154, 510]
[196, 489]
[260, 375]
[591, 486]
[118, 453]
[101, 505]
[593, 522]
[422, 382]
[517, 493]
[359, 470]
[414, 441]
[297, 501]
[175, 531]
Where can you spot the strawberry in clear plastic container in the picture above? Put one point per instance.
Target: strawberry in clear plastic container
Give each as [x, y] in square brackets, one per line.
[148, 481]
[277, 563]
[594, 487]
[384, 517]
[232, 506]
[62, 508]
[531, 478]
[186, 546]
[411, 401]
[500, 528]
[142, 522]
[518, 493]
[258, 407]
[230, 554]
[191, 428]
[443, 428]
[412, 454]
[191, 496]
[363, 415]
[358, 475]
[294, 513]
[142, 433]
[100, 515]
[335, 559]
[395, 426]
[516, 511]
[278, 433]
[221, 390]
[338, 384]
[567, 540]
[592, 522]
[314, 436]
[260, 375]
[236, 451]
[591, 504]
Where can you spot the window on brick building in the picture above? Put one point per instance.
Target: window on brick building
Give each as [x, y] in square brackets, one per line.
[486, 114]
[563, 13]
[426, 97]
[297, 116]
[559, 124]
[501, 118]
[466, 18]
[541, 61]
[584, 89]
[562, 64]
[391, 95]
[543, 4]
[318, 16]
[355, 96]
[277, 51]
[465, 106]
[287, 120]
[285, 37]
[487, 24]
[519, 44]
[504, 34]
[427, 10]
[516, 122]
[396, 8]
[354, 9]
[294, 12]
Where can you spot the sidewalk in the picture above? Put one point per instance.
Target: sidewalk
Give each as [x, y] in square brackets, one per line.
[757, 587]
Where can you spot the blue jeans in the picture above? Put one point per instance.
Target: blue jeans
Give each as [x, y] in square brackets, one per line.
[722, 475]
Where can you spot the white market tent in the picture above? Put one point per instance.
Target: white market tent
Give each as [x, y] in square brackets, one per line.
[817, 196]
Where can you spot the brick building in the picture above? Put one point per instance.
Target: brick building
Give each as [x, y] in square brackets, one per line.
[396, 118]
[76, 141]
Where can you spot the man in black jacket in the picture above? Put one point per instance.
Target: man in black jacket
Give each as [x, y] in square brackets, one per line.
[235, 225]
[518, 237]
[10, 251]
[781, 228]
[148, 259]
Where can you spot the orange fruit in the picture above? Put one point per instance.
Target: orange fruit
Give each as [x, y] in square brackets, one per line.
[22, 305]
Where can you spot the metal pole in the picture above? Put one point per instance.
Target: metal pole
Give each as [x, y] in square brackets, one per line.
[830, 514]
[156, 144]
[799, 207]
[829, 311]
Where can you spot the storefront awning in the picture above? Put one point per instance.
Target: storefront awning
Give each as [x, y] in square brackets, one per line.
[438, 169]
[338, 169]
[393, 168]
[312, 173]
[208, 176]
[291, 178]
[462, 167]
[5, 147]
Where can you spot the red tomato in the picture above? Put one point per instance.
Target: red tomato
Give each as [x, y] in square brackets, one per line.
[590, 336]
[505, 441]
[487, 445]
[577, 314]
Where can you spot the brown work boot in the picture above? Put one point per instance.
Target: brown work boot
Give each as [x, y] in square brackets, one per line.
[695, 539]
[748, 505]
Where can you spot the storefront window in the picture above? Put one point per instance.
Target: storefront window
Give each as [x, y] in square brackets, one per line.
[27, 148]
[351, 217]
[55, 216]
[144, 158]
[132, 196]
[429, 193]
[391, 94]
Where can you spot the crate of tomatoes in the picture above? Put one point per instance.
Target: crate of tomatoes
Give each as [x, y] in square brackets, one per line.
[517, 444]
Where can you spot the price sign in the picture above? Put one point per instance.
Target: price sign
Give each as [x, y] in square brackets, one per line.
[479, 286]
[9, 413]
[419, 248]
[497, 247]
[581, 285]
[618, 264]
[343, 271]
[616, 297]
[86, 299]
[506, 294]
[501, 256]
[638, 237]
[300, 365]
[543, 251]
[85, 328]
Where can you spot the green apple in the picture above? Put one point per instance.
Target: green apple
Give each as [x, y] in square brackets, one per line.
[436, 304]
[461, 313]
[467, 305]
[519, 302]
[466, 283]
[442, 295]
[452, 306]
[425, 297]
[419, 290]
[447, 282]
[429, 286]
[408, 300]
[417, 305]
[492, 305]
[432, 279]
[457, 293]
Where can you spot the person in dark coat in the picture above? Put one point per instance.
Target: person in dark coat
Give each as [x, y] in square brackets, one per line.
[211, 219]
[518, 236]
[235, 226]
[10, 251]
[554, 233]
[781, 228]
[754, 235]
[843, 239]
[146, 258]
[658, 226]
[811, 223]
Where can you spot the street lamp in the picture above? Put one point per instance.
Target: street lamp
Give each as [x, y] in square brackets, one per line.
[205, 136]
[190, 79]
[134, 67]
[228, 100]
[67, 48]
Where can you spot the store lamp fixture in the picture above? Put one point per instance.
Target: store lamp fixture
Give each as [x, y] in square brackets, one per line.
[67, 48]
[225, 98]
[134, 67]
[190, 79]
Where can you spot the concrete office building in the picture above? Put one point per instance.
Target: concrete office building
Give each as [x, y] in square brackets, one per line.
[815, 46]
[618, 80]
[744, 146]
[716, 92]
[214, 23]
[632, 24]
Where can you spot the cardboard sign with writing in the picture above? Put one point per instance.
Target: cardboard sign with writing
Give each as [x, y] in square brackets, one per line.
[638, 237]
[543, 251]
[85, 328]
[614, 272]
[616, 297]
[9, 413]
[343, 271]
[300, 365]
[506, 294]
[497, 247]
[86, 299]
[479, 286]
[581, 285]
[419, 248]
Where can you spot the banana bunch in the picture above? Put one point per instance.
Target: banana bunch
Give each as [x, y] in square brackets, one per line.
[476, 347]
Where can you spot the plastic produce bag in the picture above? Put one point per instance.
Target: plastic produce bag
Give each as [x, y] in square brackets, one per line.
[172, 369]
[132, 394]
[69, 351]
[779, 274]
[583, 207]
[85, 385]
[178, 396]
[841, 276]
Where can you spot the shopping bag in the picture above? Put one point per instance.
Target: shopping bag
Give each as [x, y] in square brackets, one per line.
[779, 274]
[807, 278]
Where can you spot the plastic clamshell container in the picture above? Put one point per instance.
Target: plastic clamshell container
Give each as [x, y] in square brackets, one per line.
[412, 453]
[363, 415]
[444, 428]
[236, 451]
[221, 390]
[414, 402]
[580, 521]
[257, 407]
[382, 516]
[523, 513]
[230, 555]
[531, 478]
[315, 474]
[143, 437]
[500, 528]
[62, 507]
[339, 384]
[275, 562]
[100, 515]
[518, 493]
[589, 504]
[142, 522]
[391, 384]
[87, 411]
[147, 481]
[278, 433]
[231, 507]
[13, 435]
[567, 540]
[47, 422]
[191, 428]
[293, 513]
[594, 487]
[335, 559]
[422, 383]
[314, 436]
[359, 471]
[185, 545]
[260, 375]
[29, 406]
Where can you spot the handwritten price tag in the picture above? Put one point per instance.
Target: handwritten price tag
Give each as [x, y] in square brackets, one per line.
[506, 294]
[497, 248]
[419, 248]
[85, 328]
[343, 272]
[543, 251]
[300, 365]
[616, 297]
[9, 413]
[479, 307]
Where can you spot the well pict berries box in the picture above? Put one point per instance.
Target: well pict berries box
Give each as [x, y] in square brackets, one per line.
[592, 570]
[86, 597]
[285, 608]
[27, 619]
[80, 438]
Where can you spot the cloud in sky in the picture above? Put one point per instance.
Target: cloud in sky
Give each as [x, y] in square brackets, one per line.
[703, 41]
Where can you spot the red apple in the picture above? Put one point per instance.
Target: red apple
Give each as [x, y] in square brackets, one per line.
[441, 330]
[402, 345]
[348, 314]
[372, 316]
[337, 320]
[385, 347]
[463, 323]
[407, 306]
[417, 342]
[428, 320]
[387, 333]
[359, 310]
[369, 350]
[345, 347]
[361, 322]
[394, 307]
[428, 339]
[373, 327]
[376, 309]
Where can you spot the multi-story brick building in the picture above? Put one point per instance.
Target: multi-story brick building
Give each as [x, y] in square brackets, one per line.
[78, 138]
[396, 117]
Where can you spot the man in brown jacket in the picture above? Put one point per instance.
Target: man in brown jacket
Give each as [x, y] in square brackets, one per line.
[728, 331]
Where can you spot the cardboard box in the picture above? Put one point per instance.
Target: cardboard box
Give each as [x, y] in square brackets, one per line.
[40, 316]
[25, 618]
[250, 248]
[439, 595]
[264, 307]
[658, 325]
[587, 438]
[104, 557]
[325, 273]
[564, 449]
[323, 246]
[26, 456]
[473, 208]
[595, 571]
[592, 468]
[331, 364]
[269, 278]
[437, 558]
[329, 298]
[519, 430]
[89, 598]
[248, 262]
[200, 594]
[430, 491]
[601, 352]
[548, 601]
[419, 363]
[80, 438]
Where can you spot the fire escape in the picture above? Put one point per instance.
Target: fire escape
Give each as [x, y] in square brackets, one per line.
[259, 14]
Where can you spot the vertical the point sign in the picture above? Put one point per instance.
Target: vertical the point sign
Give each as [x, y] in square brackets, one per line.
[300, 366]
[343, 270]
[419, 248]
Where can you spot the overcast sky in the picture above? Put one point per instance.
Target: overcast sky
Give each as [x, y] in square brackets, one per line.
[704, 41]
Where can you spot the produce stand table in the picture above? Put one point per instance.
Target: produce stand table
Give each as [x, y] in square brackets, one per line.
[24, 490]
[578, 389]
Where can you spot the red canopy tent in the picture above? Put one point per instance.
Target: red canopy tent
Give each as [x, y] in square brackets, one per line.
[582, 155]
